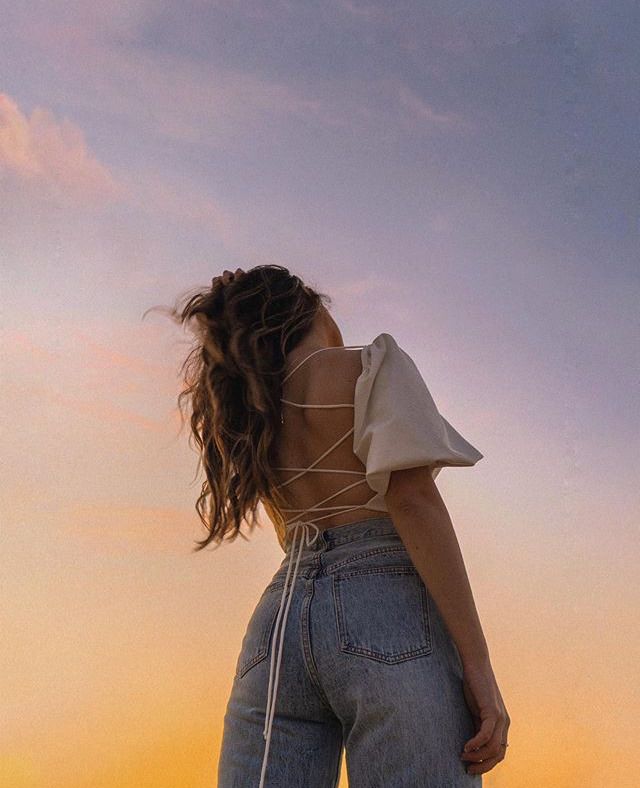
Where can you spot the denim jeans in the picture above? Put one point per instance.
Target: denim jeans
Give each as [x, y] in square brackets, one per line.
[367, 665]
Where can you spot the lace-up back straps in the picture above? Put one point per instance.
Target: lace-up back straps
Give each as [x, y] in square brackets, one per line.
[312, 468]
[333, 510]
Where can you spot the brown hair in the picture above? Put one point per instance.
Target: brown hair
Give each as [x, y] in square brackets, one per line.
[233, 384]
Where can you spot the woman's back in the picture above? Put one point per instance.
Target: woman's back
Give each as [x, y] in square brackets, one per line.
[328, 379]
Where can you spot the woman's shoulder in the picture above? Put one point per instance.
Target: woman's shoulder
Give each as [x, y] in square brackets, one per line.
[351, 363]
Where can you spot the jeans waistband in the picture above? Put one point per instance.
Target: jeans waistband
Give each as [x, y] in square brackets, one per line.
[338, 546]
[330, 538]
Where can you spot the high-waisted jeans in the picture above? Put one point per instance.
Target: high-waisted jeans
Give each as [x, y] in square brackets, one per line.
[367, 665]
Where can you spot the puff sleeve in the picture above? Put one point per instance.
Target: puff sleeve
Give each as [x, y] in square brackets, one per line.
[396, 422]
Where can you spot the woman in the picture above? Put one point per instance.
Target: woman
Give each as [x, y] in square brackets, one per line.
[367, 637]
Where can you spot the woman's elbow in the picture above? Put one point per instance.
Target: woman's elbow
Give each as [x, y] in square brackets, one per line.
[413, 491]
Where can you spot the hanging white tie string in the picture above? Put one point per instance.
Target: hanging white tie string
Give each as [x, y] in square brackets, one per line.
[283, 612]
[274, 668]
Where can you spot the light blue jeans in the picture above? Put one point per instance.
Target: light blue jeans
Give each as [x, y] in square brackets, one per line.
[367, 665]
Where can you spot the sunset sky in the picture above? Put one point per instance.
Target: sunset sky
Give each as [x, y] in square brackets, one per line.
[461, 175]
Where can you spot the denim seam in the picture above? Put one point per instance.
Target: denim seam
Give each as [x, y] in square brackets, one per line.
[329, 570]
[337, 540]
[308, 660]
[379, 570]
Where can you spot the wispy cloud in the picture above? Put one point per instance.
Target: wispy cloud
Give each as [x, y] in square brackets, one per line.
[362, 11]
[104, 411]
[422, 112]
[177, 198]
[114, 528]
[41, 151]
[77, 373]
[195, 100]
[45, 161]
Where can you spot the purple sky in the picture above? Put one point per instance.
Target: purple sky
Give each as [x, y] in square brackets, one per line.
[461, 175]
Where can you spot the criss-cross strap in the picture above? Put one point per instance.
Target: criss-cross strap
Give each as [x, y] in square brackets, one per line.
[315, 462]
[313, 352]
[316, 507]
[307, 405]
[317, 470]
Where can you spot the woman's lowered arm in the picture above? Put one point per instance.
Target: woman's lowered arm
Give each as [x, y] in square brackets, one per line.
[424, 525]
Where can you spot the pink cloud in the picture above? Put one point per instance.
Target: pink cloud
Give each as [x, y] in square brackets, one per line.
[42, 159]
[107, 358]
[117, 528]
[100, 371]
[20, 343]
[49, 154]
[103, 411]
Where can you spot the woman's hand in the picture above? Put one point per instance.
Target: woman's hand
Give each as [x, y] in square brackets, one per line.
[488, 746]
[227, 276]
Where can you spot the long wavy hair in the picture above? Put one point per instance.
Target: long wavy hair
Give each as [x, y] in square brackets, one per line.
[232, 388]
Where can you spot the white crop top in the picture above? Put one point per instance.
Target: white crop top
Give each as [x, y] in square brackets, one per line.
[396, 422]
[396, 425]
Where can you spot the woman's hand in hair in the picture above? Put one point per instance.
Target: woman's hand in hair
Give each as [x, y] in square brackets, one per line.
[227, 276]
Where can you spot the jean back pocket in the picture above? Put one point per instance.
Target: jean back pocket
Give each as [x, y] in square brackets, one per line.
[255, 644]
[382, 613]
